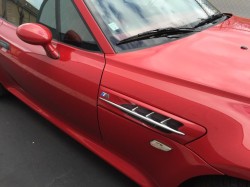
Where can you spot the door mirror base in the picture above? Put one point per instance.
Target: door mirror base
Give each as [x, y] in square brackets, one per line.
[51, 51]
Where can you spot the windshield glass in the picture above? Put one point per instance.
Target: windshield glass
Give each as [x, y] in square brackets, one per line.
[120, 19]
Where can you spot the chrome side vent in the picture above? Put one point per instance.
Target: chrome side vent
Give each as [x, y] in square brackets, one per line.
[149, 117]
[164, 120]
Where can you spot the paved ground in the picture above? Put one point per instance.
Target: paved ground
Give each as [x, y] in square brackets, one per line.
[34, 153]
[237, 7]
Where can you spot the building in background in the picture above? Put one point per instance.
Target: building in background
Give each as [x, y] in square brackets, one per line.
[18, 11]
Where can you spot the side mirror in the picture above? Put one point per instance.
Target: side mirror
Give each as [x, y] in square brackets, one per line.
[37, 34]
[71, 37]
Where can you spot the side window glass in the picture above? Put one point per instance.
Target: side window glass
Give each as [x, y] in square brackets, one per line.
[47, 16]
[73, 30]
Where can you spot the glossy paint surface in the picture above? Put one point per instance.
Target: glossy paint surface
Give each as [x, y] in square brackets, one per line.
[34, 33]
[37, 34]
[201, 80]
[66, 86]
[204, 79]
[88, 140]
[133, 141]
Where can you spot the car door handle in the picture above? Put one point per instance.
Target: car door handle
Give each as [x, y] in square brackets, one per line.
[4, 44]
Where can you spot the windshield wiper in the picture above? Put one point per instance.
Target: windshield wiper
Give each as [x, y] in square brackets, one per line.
[210, 19]
[168, 31]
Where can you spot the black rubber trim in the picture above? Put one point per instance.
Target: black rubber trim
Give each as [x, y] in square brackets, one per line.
[58, 20]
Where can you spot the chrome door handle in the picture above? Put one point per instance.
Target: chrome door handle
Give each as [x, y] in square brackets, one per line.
[4, 44]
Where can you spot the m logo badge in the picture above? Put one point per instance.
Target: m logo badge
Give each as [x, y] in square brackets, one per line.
[103, 94]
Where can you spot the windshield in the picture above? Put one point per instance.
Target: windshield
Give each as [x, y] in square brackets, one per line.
[120, 19]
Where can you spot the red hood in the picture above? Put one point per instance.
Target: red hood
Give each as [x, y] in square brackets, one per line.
[212, 58]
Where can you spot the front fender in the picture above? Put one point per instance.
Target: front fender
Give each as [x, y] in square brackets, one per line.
[226, 146]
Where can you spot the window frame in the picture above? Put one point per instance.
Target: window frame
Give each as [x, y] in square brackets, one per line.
[58, 25]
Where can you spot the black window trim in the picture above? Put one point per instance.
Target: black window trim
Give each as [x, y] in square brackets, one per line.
[58, 20]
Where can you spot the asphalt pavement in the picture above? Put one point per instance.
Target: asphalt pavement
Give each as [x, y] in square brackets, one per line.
[237, 7]
[35, 153]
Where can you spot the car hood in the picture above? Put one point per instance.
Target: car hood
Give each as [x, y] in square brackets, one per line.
[212, 58]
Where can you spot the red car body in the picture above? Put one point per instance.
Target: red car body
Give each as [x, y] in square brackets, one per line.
[201, 81]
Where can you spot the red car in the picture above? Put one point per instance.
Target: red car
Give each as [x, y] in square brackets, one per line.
[157, 88]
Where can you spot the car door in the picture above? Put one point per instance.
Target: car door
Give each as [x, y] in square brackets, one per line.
[67, 87]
